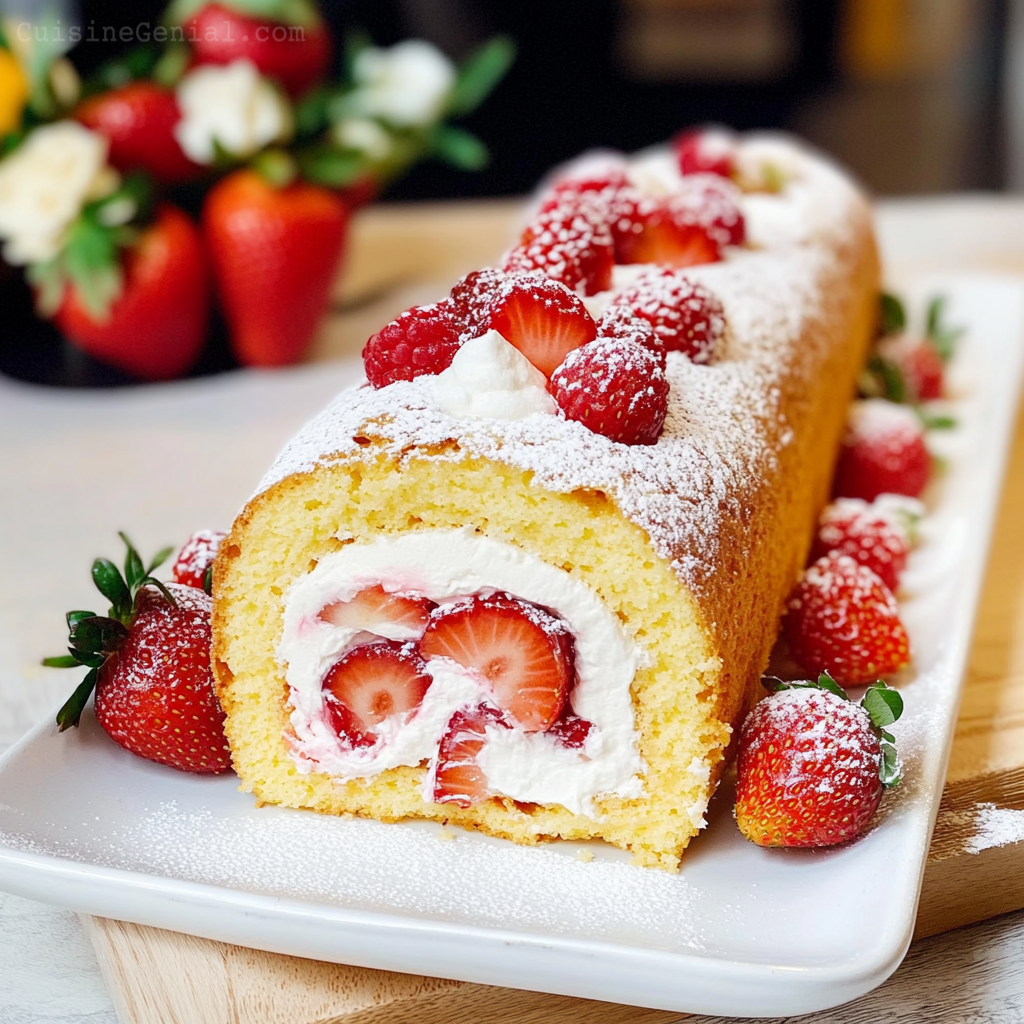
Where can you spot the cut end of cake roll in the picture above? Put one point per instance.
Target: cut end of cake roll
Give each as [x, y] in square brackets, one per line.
[477, 609]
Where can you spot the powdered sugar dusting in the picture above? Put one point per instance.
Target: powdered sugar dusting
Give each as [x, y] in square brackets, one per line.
[724, 428]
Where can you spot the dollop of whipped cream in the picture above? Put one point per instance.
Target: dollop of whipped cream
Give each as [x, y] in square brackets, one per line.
[444, 565]
[489, 377]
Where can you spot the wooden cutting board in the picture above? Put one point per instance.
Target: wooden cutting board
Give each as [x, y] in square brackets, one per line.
[401, 256]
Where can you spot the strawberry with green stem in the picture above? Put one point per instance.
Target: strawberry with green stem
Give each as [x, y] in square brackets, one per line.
[148, 660]
[812, 765]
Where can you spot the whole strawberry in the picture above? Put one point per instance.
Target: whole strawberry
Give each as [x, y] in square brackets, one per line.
[842, 619]
[275, 251]
[195, 559]
[812, 765]
[883, 452]
[149, 663]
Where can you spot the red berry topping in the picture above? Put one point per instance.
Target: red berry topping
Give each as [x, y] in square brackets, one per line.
[594, 172]
[874, 535]
[472, 297]
[711, 204]
[622, 322]
[883, 452]
[370, 683]
[374, 606]
[524, 654]
[571, 731]
[706, 151]
[196, 557]
[541, 318]
[842, 619]
[568, 242]
[649, 230]
[808, 771]
[917, 362]
[422, 340]
[458, 779]
[616, 388]
[685, 315]
[155, 695]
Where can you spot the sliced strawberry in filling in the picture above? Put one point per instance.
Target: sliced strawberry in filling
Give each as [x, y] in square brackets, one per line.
[374, 606]
[458, 778]
[370, 683]
[523, 653]
[571, 731]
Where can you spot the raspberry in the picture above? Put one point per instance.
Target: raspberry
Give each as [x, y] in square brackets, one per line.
[471, 300]
[622, 322]
[616, 388]
[686, 316]
[422, 340]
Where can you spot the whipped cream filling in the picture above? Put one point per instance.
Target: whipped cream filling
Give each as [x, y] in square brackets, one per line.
[444, 565]
[490, 377]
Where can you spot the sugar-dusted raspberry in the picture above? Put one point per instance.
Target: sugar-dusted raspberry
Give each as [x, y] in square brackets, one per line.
[471, 299]
[422, 340]
[616, 388]
[687, 316]
[622, 322]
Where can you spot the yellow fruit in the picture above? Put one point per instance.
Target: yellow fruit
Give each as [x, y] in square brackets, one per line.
[13, 92]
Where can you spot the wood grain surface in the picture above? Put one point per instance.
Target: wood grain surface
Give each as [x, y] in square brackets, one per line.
[400, 256]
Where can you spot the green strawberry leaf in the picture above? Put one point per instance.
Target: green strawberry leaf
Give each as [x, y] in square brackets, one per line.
[479, 74]
[174, 62]
[48, 280]
[159, 558]
[773, 684]
[936, 422]
[152, 581]
[943, 337]
[62, 661]
[73, 618]
[826, 682]
[890, 769]
[71, 713]
[893, 317]
[111, 585]
[208, 579]
[883, 379]
[99, 635]
[458, 147]
[883, 704]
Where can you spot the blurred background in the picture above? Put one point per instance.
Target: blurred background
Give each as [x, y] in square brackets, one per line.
[912, 95]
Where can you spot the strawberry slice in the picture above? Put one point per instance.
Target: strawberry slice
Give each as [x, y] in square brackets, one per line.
[458, 779]
[664, 240]
[370, 683]
[375, 605]
[541, 318]
[523, 653]
[571, 731]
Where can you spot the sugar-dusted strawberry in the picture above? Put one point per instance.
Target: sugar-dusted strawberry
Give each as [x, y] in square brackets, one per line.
[541, 318]
[593, 172]
[910, 368]
[371, 682]
[706, 151]
[842, 619]
[622, 322]
[374, 606]
[568, 242]
[195, 558]
[149, 662]
[711, 203]
[616, 388]
[138, 119]
[155, 326]
[812, 766]
[524, 654]
[275, 251]
[883, 452]
[878, 535]
[285, 40]
[650, 230]
[458, 778]
[423, 340]
[687, 316]
[472, 298]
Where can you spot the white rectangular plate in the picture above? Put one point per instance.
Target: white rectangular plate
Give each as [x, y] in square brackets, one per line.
[740, 931]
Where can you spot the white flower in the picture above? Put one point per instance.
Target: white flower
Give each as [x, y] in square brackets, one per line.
[364, 135]
[45, 183]
[233, 105]
[407, 85]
